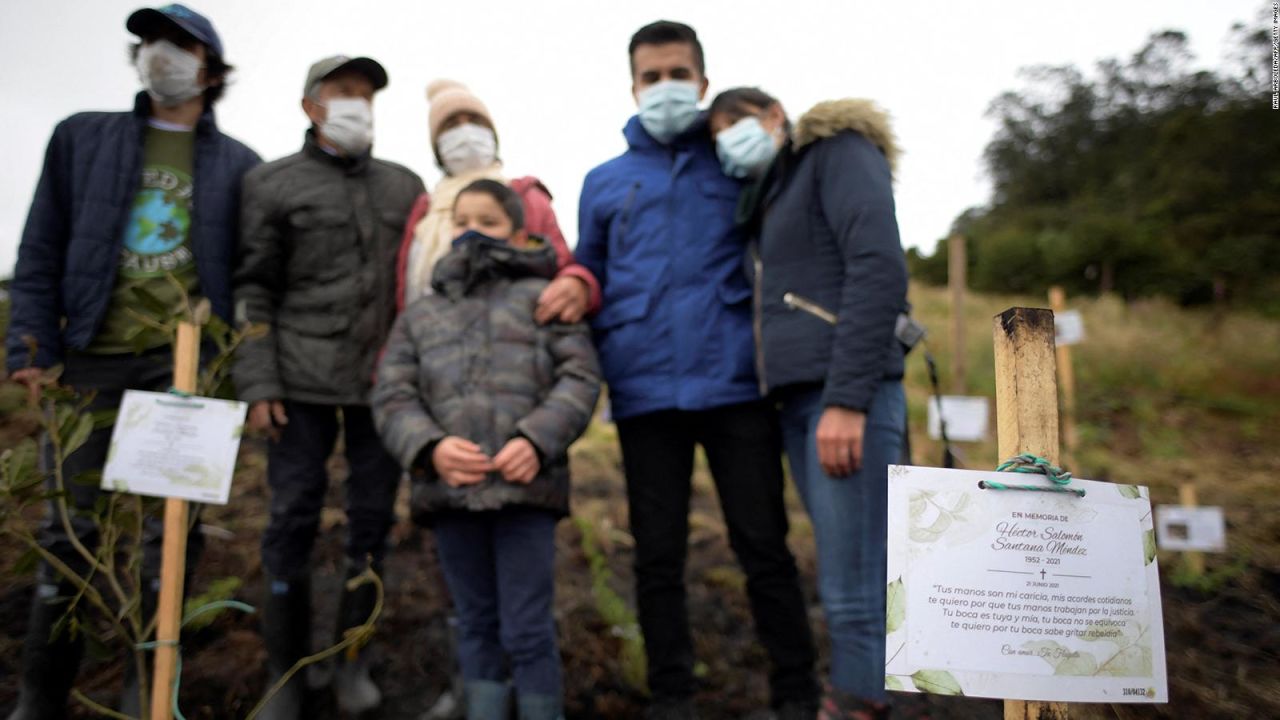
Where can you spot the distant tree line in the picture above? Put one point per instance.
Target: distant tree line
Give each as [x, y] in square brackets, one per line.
[1147, 179]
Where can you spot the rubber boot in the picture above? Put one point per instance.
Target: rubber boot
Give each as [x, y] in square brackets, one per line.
[488, 700]
[539, 707]
[49, 664]
[452, 703]
[286, 628]
[355, 690]
[130, 703]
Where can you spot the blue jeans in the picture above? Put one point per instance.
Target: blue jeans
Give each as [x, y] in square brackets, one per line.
[849, 527]
[500, 567]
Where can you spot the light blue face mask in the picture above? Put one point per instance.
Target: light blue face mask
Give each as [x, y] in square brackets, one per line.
[745, 149]
[668, 109]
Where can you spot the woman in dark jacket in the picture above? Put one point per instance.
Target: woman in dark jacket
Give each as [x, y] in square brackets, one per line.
[830, 283]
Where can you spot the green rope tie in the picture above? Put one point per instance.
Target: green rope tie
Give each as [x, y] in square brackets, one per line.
[1034, 465]
[202, 610]
[180, 393]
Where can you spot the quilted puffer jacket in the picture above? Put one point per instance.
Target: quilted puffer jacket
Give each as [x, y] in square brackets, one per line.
[471, 362]
[67, 262]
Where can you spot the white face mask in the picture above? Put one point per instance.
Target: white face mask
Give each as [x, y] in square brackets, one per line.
[467, 147]
[348, 125]
[668, 108]
[169, 74]
[745, 149]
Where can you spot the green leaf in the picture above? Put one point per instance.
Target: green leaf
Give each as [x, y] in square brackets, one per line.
[88, 478]
[219, 590]
[218, 331]
[18, 465]
[78, 435]
[132, 332]
[104, 418]
[26, 563]
[1130, 491]
[58, 394]
[1149, 546]
[895, 606]
[64, 419]
[891, 682]
[936, 682]
[151, 302]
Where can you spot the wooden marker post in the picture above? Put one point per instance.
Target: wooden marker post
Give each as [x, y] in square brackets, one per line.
[173, 557]
[1027, 421]
[957, 278]
[1066, 377]
[1192, 560]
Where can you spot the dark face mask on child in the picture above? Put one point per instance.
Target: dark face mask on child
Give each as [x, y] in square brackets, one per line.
[476, 236]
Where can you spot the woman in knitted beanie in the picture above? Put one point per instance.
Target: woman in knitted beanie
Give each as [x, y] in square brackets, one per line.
[465, 144]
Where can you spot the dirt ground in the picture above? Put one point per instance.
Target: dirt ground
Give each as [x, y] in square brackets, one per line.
[1222, 641]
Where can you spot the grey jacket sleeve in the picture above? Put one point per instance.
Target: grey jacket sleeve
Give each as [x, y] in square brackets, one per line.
[856, 196]
[398, 413]
[564, 414]
[257, 285]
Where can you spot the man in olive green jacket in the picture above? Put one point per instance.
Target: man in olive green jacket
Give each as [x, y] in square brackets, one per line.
[320, 234]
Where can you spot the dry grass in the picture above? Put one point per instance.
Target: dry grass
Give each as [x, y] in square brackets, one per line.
[1165, 396]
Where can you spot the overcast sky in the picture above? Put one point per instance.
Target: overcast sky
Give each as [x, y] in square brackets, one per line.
[554, 74]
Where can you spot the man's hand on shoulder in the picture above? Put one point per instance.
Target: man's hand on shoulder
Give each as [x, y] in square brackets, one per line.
[564, 299]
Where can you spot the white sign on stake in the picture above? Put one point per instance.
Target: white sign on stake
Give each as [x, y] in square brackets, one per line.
[1022, 595]
[1068, 327]
[167, 445]
[1191, 529]
[966, 418]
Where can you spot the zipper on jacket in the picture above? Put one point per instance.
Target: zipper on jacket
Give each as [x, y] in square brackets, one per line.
[796, 302]
[757, 315]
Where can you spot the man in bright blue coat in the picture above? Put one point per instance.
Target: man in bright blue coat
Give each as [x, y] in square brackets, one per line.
[675, 340]
[128, 203]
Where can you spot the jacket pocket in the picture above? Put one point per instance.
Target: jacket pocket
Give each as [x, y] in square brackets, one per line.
[623, 311]
[623, 224]
[805, 305]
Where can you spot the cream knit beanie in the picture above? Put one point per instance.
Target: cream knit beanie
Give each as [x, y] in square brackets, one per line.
[448, 97]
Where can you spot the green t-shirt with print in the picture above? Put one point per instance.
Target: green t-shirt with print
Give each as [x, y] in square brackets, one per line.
[157, 243]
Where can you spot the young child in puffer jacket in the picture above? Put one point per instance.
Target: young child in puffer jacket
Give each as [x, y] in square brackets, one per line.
[480, 404]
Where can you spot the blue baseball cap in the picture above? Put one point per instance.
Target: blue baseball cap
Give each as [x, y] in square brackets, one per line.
[184, 18]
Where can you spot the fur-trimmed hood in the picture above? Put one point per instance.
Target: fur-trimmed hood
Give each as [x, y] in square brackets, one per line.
[863, 116]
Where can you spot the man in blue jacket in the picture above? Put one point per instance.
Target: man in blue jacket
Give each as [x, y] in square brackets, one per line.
[675, 340]
[127, 202]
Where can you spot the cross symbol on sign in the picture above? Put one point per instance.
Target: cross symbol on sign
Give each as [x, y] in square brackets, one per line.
[1041, 574]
